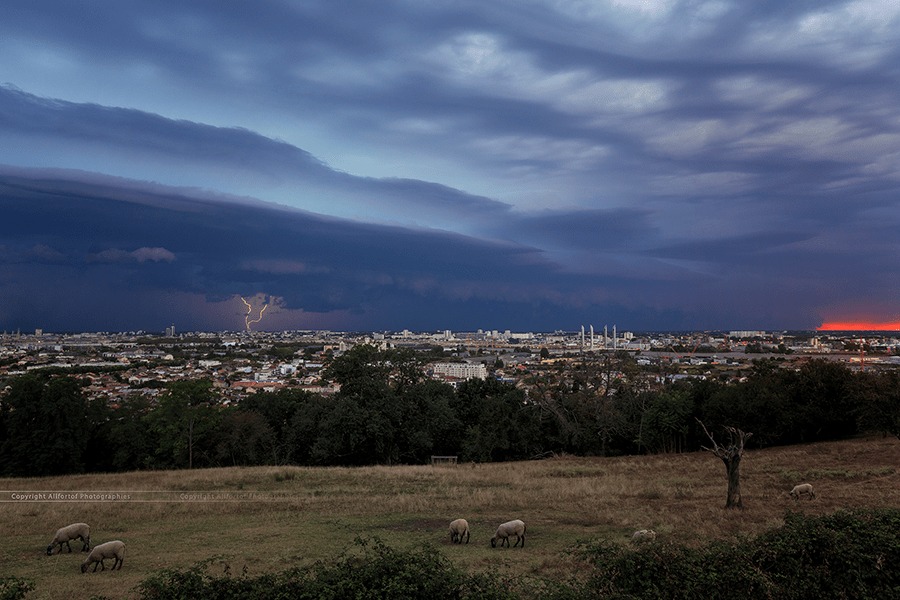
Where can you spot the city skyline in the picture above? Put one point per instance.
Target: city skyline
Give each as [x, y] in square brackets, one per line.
[531, 166]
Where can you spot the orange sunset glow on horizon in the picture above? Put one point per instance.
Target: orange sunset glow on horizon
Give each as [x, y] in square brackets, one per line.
[859, 326]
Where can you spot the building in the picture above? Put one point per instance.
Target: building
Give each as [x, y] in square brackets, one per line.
[461, 370]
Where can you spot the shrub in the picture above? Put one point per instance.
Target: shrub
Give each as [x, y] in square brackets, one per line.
[14, 588]
[381, 573]
[849, 554]
[853, 553]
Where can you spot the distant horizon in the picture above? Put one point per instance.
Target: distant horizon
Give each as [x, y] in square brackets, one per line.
[597, 333]
[859, 326]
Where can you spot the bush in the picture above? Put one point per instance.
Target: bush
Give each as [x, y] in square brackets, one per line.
[14, 588]
[381, 573]
[849, 554]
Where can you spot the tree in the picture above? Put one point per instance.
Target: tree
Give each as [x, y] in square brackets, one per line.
[565, 412]
[244, 438]
[361, 372]
[731, 456]
[406, 369]
[428, 424]
[609, 423]
[348, 432]
[45, 425]
[821, 398]
[499, 424]
[131, 442]
[184, 420]
[879, 395]
[759, 404]
[665, 422]
[278, 409]
[305, 427]
[98, 455]
[364, 426]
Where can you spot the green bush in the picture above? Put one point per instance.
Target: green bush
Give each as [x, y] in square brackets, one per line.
[381, 573]
[853, 554]
[14, 588]
[848, 554]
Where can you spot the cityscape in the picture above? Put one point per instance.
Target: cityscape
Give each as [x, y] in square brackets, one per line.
[241, 363]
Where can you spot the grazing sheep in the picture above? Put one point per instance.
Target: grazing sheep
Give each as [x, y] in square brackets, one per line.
[71, 532]
[100, 553]
[458, 529]
[510, 528]
[643, 535]
[803, 488]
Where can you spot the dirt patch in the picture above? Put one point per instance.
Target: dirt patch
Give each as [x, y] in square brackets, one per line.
[421, 525]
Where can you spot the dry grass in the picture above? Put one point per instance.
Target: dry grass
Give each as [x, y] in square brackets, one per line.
[272, 518]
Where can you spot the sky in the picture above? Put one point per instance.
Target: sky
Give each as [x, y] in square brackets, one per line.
[530, 165]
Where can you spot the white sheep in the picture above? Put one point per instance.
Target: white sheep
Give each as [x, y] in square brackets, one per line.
[643, 535]
[803, 488]
[100, 553]
[74, 531]
[510, 528]
[458, 529]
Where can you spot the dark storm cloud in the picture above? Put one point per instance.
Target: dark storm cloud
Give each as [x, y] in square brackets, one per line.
[638, 158]
[731, 250]
[612, 230]
[161, 241]
[116, 245]
[112, 246]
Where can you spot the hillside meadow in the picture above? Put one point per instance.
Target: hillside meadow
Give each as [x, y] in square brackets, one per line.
[266, 519]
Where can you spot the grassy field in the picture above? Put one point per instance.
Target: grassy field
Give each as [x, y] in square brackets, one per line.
[274, 518]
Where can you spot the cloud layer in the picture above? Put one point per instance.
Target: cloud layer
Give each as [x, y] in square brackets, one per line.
[528, 165]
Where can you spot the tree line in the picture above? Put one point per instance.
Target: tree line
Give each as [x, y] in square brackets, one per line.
[389, 412]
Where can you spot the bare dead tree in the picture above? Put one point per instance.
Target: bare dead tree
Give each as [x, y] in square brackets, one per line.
[731, 456]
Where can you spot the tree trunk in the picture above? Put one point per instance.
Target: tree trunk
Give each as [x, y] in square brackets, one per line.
[732, 467]
[731, 456]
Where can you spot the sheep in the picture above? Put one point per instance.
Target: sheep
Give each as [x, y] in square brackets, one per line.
[643, 535]
[458, 529]
[100, 553]
[516, 528]
[71, 532]
[803, 488]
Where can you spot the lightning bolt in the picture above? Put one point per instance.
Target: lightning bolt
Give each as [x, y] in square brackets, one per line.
[247, 320]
